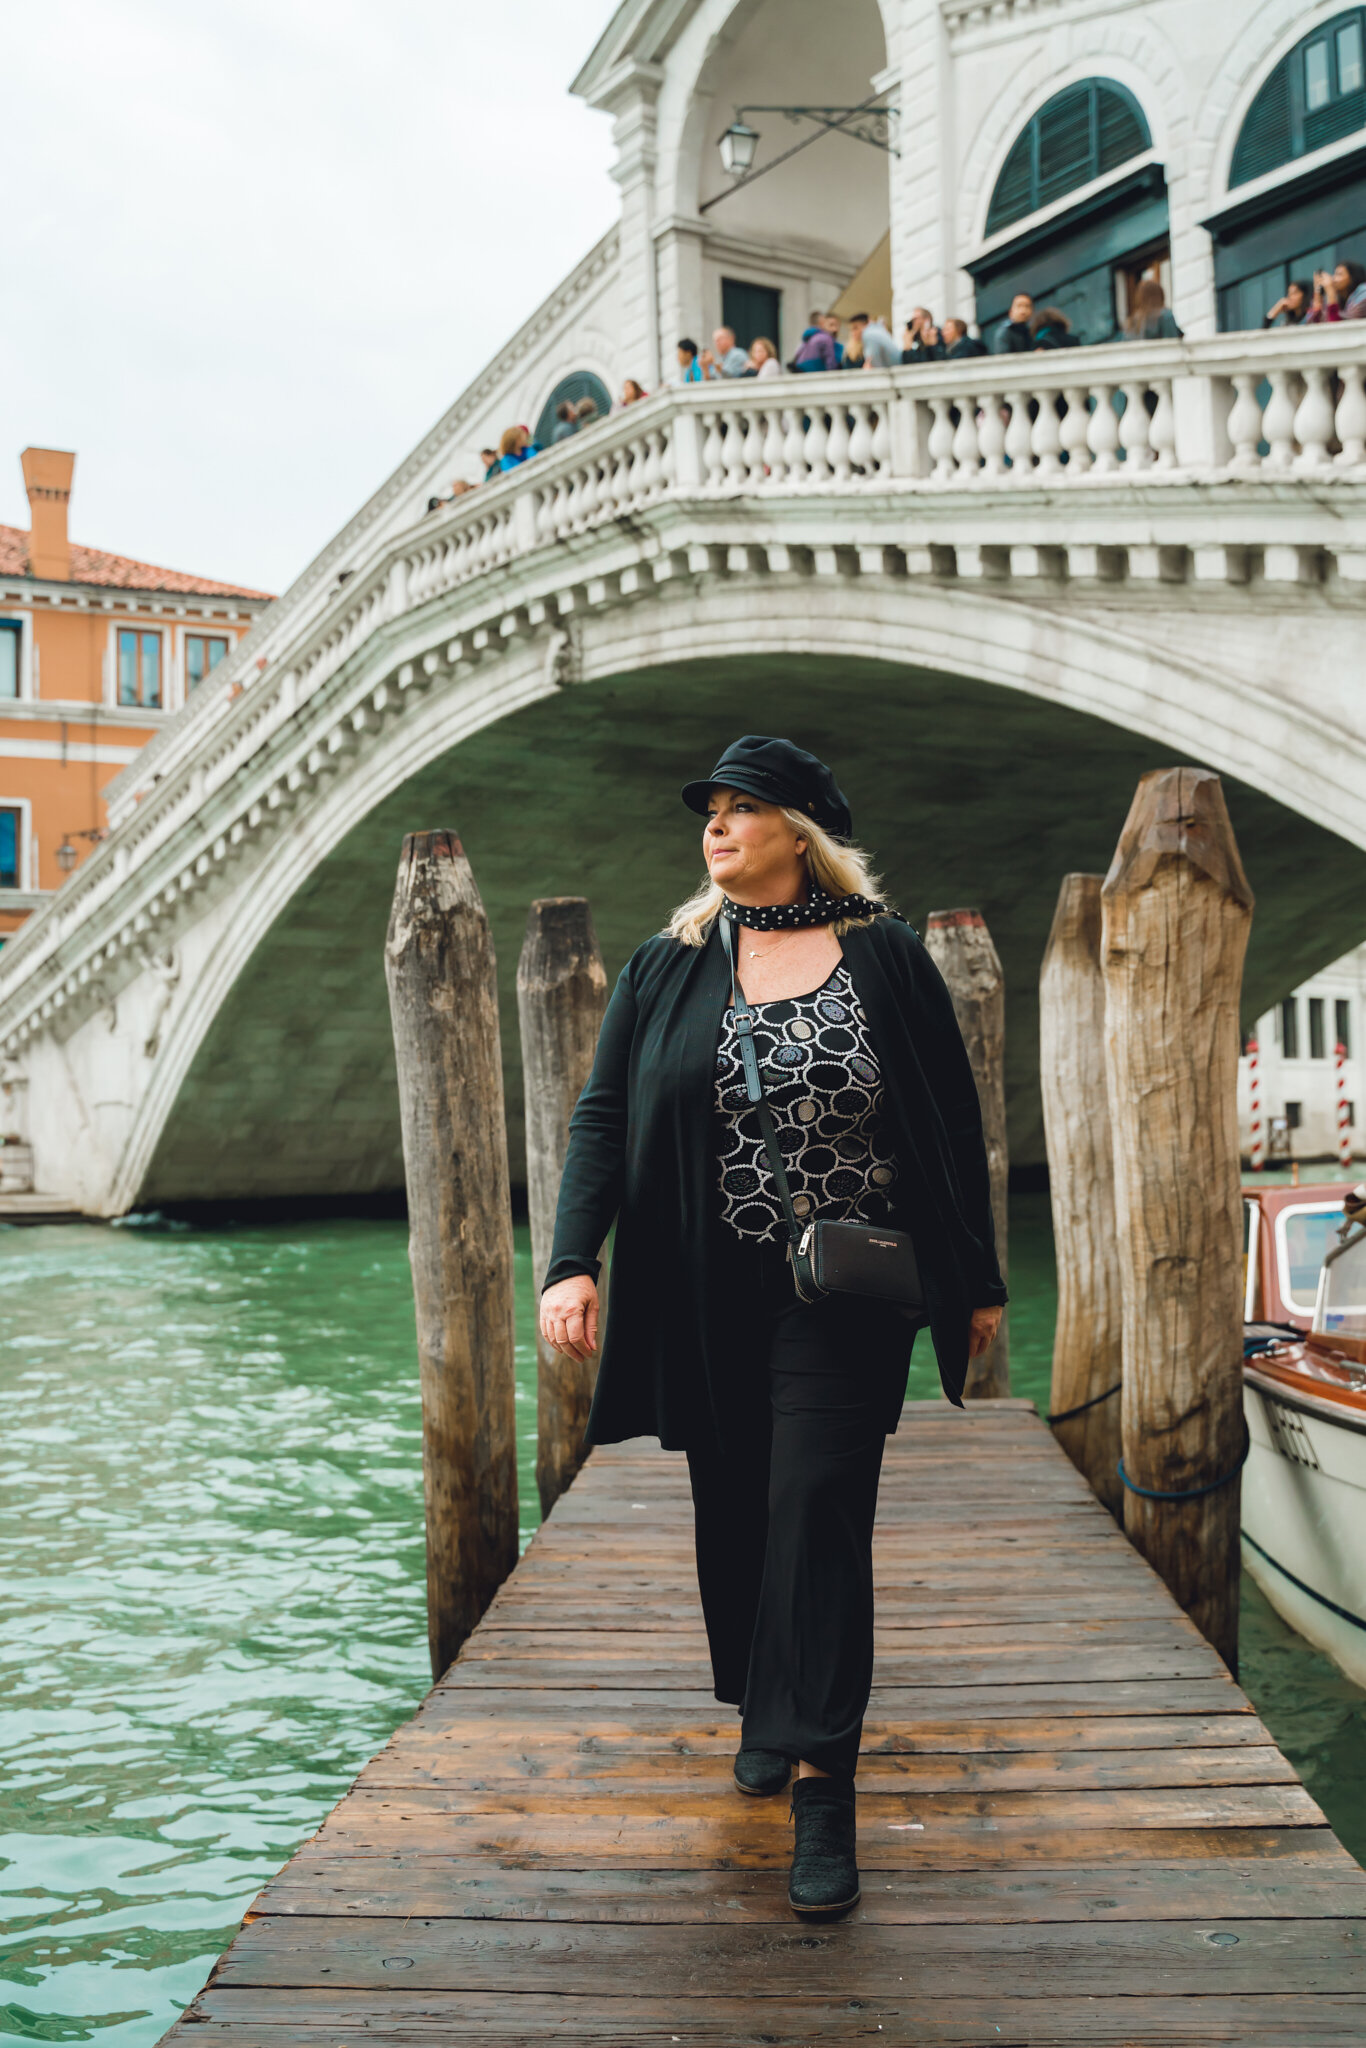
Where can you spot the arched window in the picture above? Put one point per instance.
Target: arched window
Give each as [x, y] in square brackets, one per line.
[1314, 95]
[581, 384]
[1080, 134]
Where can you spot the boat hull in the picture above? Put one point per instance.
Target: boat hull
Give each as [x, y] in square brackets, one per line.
[1304, 1513]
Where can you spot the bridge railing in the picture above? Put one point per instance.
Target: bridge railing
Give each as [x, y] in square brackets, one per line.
[1151, 413]
[1262, 416]
[1245, 406]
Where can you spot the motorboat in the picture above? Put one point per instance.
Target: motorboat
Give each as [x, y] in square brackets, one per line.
[1304, 1395]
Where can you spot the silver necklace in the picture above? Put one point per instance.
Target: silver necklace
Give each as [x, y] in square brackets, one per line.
[762, 952]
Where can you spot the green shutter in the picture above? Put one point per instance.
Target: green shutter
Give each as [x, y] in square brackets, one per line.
[1080, 134]
[1281, 126]
[1065, 154]
[1120, 132]
[1012, 198]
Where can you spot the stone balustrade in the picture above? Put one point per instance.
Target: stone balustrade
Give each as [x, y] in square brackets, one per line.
[1228, 460]
[1235, 408]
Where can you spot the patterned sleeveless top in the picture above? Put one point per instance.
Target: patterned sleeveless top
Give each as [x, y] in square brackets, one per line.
[824, 1087]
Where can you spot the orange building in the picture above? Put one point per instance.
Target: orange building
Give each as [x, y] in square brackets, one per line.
[96, 652]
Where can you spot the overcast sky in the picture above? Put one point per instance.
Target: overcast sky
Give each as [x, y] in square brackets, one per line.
[254, 248]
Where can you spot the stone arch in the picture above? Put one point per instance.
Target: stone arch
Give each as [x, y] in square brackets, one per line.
[658, 683]
[574, 386]
[696, 69]
[1271, 33]
[1139, 60]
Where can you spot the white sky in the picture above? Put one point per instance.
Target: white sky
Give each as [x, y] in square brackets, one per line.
[254, 248]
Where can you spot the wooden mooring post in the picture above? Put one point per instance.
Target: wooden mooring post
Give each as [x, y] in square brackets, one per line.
[1177, 908]
[561, 996]
[960, 945]
[443, 1001]
[1087, 1339]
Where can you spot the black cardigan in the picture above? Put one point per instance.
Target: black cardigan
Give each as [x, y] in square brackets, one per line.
[643, 1148]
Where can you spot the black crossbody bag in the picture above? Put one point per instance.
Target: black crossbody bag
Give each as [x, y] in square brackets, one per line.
[826, 1257]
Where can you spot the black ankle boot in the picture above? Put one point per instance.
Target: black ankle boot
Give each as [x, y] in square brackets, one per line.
[761, 1772]
[824, 1880]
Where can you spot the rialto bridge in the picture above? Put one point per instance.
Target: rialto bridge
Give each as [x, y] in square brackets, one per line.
[992, 592]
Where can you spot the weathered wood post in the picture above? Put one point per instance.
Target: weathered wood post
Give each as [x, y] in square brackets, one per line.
[1177, 909]
[1087, 1347]
[960, 945]
[561, 995]
[443, 1000]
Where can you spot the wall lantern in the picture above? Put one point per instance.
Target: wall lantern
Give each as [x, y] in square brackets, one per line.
[738, 145]
[67, 855]
[868, 122]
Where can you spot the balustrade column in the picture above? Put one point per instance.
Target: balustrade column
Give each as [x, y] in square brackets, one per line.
[1102, 435]
[861, 440]
[1072, 431]
[941, 440]
[775, 447]
[753, 451]
[1045, 438]
[1134, 426]
[794, 447]
[1278, 422]
[966, 453]
[713, 452]
[1245, 423]
[837, 445]
[815, 447]
[882, 441]
[1313, 427]
[733, 452]
[1019, 438]
[991, 435]
[1162, 431]
[1351, 417]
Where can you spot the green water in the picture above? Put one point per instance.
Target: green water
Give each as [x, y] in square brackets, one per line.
[211, 1545]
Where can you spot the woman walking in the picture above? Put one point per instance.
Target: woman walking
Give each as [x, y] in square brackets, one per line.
[780, 1079]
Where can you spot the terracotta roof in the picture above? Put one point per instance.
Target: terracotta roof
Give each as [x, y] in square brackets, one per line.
[117, 572]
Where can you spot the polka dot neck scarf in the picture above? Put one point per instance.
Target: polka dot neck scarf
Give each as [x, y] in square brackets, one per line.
[820, 908]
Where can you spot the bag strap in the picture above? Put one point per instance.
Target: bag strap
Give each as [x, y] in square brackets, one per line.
[754, 1087]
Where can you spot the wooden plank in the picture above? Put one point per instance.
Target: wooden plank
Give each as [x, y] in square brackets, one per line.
[1116, 1959]
[566, 1723]
[1290, 1882]
[664, 1774]
[269, 2019]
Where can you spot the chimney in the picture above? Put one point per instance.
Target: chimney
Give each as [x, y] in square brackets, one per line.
[47, 479]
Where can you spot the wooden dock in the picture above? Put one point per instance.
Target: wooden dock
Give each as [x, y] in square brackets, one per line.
[1073, 1827]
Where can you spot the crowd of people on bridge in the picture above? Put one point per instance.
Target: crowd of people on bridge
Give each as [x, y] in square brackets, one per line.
[1336, 294]
[864, 341]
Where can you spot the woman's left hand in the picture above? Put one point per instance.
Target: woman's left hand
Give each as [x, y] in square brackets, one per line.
[982, 1330]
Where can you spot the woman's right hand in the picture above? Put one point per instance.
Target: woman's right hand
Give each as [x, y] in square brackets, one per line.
[569, 1316]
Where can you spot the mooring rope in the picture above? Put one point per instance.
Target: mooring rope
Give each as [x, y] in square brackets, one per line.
[1066, 1414]
[1192, 1492]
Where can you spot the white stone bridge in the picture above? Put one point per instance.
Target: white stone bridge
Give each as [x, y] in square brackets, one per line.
[992, 592]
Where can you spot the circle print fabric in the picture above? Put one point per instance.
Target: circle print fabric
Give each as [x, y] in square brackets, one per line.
[824, 1088]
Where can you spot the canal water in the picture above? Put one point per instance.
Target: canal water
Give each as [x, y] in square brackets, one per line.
[211, 1561]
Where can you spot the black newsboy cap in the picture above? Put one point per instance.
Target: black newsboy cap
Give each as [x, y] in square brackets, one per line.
[779, 773]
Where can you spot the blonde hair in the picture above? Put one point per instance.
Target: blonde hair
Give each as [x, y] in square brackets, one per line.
[841, 869]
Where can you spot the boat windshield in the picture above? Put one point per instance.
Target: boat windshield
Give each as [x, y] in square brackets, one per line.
[1341, 1307]
[1304, 1233]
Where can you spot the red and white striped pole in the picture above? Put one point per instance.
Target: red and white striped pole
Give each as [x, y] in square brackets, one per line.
[1344, 1127]
[1257, 1148]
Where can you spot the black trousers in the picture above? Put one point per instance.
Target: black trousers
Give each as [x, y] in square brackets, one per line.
[784, 1507]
